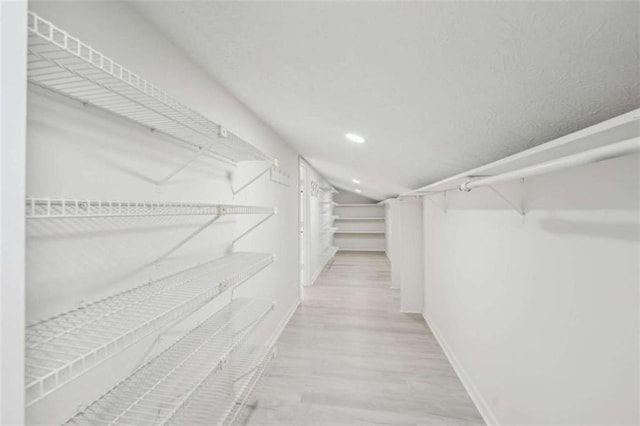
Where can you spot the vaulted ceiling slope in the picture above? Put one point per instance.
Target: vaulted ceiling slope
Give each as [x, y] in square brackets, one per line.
[437, 88]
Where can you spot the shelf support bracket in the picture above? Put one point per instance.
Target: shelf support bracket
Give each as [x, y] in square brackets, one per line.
[250, 229]
[261, 173]
[180, 168]
[196, 155]
[517, 209]
[435, 203]
[188, 238]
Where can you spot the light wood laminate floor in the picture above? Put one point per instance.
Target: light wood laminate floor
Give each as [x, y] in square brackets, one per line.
[348, 357]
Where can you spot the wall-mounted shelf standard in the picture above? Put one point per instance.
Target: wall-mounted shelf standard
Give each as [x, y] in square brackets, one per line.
[64, 64]
[51, 208]
[60, 348]
[180, 381]
[364, 219]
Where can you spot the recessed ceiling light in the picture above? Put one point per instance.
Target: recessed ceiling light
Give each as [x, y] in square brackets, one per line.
[356, 181]
[357, 190]
[355, 138]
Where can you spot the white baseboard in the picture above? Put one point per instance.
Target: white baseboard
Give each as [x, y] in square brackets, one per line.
[316, 275]
[278, 331]
[480, 403]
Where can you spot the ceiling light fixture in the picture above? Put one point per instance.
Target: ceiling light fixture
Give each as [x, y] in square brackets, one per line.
[355, 138]
[356, 181]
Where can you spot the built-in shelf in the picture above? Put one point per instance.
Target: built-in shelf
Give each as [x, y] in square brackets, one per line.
[52, 208]
[343, 231]
[62, 347]
[341, 218]
[358, 205]
[194, 376]
[362, 249]
[62, 63]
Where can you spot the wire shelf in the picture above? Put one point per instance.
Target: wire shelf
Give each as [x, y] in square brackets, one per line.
[173, 383]
[344, 231]
[341, 218]
[64, 64]
[219, 401]
[51, 208]
[61, 348]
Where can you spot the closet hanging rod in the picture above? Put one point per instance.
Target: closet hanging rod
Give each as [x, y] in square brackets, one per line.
[619, 149]
[610, 131]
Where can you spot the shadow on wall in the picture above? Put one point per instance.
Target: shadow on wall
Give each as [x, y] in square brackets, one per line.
[629, 231]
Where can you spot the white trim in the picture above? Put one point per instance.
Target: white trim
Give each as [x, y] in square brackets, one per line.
[475, 395]
[316, 275]
[278, 331]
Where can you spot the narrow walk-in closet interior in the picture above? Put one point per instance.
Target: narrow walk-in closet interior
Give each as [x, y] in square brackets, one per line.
[319, 213]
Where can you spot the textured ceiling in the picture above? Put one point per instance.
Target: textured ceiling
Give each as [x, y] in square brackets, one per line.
[436, 88]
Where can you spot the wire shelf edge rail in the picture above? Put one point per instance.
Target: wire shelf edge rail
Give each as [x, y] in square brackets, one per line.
[62, 208]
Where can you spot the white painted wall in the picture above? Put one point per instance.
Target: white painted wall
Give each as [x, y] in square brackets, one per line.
[75, 151]
[348, 197]
[540, 316]
[393, 239]
[409, 262]
[13, 54]
[319, 218]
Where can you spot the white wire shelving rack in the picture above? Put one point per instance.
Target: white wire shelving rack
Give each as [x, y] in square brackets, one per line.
[64, 64]
[67, 345]
[219, 401]
[345, 231]
[60, 208]
[364, 219]
[190, 376]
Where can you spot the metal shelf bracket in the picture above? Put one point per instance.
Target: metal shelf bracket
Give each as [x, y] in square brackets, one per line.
[519, 210]
[189, 237]
[235, 240]
[262, 172]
